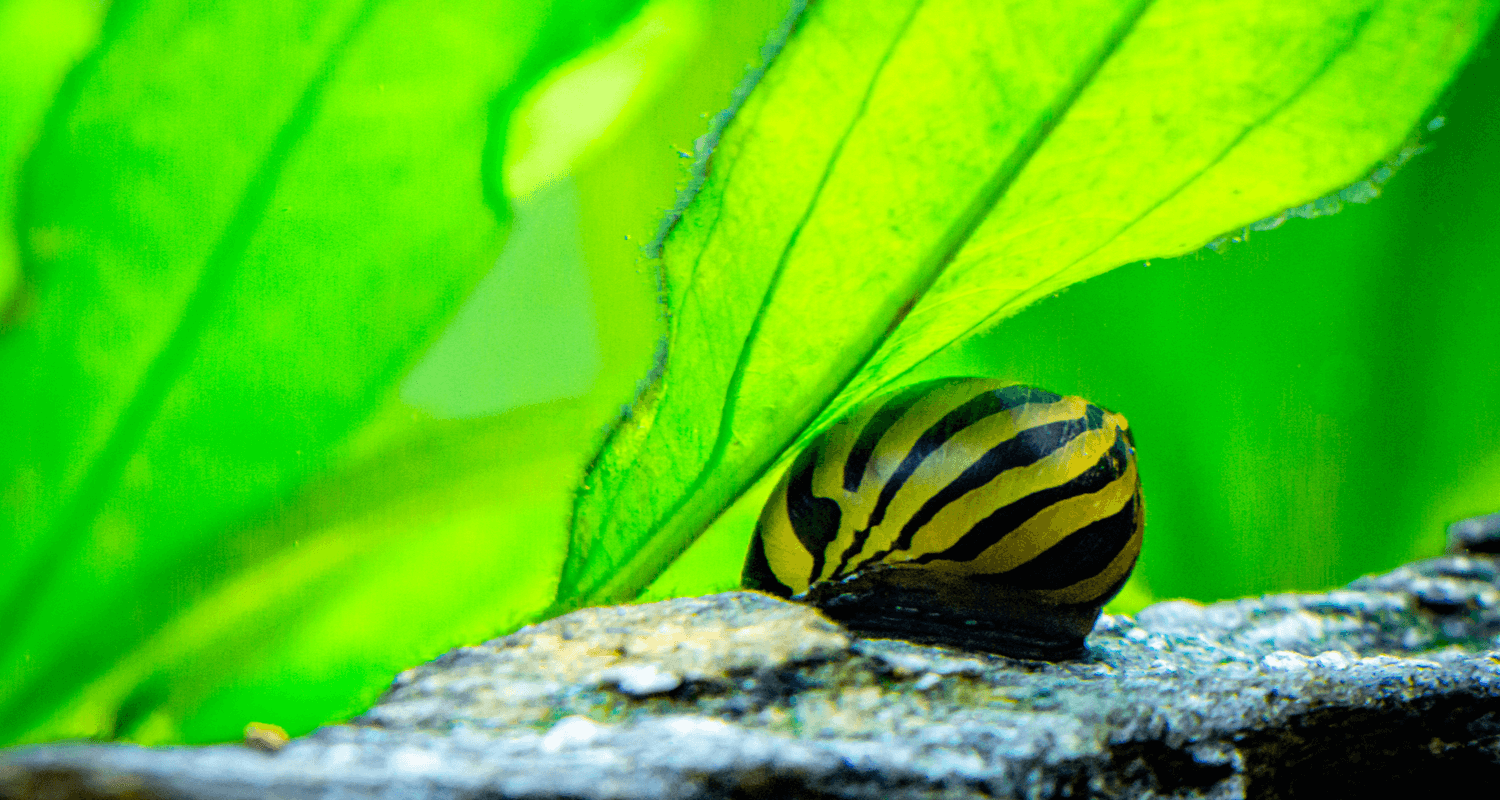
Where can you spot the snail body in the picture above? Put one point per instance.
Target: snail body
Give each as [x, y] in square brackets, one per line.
[965, 512]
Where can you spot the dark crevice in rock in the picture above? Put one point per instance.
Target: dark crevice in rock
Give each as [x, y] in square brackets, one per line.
[1394, 750]
[1137, 767]
[767, 687]
[764, 784]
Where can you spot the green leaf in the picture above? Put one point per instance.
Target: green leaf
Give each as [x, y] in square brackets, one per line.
[425, 539]
[41, 39]
[908, 173]
[240, 226]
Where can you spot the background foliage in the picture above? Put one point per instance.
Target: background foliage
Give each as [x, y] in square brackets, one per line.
[1312, 403]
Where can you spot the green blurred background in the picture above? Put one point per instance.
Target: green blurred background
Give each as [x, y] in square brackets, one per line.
[1311, 403]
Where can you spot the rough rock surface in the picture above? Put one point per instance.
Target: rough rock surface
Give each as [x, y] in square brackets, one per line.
[1371, 690]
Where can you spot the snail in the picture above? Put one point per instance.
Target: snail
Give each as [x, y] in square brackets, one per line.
[964, 512]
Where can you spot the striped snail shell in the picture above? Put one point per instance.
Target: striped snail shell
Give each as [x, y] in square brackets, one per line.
[962, 511]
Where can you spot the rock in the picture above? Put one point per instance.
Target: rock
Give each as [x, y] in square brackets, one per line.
[1476, 535]
[1375, 689]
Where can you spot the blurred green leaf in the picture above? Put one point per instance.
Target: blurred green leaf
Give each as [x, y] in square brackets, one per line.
[438, 537]
[240, 226]
[41, 39]
[584, 107]
[428, 534]
[907, 174]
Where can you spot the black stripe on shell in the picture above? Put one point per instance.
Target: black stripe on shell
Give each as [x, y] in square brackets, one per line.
[815, 520]
[888, 415]
[988, 404]
[985, 533]
[1022, 450]
[977, 408]
[1079, 556]
[758, 574]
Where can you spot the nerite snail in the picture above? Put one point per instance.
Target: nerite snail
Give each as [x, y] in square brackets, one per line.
[967, 512]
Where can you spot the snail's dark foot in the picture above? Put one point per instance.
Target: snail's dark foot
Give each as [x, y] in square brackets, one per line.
[917, 606]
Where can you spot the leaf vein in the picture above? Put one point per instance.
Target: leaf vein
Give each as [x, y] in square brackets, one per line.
[1260, 122]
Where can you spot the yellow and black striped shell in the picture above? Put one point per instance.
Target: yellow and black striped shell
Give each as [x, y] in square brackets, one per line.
[967, 512]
